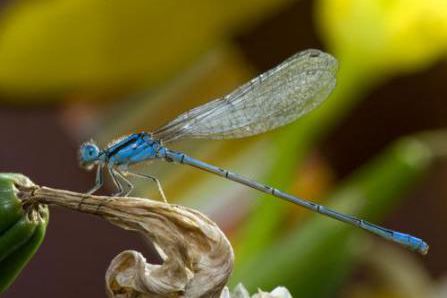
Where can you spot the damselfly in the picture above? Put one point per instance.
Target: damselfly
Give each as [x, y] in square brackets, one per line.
[273, 99]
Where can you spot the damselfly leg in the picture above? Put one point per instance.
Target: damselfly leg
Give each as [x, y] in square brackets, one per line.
[153, 179]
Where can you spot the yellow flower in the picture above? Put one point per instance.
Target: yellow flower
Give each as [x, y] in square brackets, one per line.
[386, 35]
[51, 47]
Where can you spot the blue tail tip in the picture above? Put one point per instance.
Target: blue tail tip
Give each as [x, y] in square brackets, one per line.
[423, 248]
[412, 242]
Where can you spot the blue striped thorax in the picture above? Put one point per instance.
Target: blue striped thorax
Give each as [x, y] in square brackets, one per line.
[133, 149]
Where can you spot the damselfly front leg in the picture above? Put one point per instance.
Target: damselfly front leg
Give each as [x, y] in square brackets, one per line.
[99, 181]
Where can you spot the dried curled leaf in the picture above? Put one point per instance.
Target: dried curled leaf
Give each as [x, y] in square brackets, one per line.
[197, 257]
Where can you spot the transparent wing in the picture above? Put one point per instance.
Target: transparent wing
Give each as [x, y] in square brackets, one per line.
[274, 98]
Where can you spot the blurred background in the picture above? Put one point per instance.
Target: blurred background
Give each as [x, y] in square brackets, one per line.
[71, 70]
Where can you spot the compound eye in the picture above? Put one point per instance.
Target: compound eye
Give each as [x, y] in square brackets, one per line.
[89, 153]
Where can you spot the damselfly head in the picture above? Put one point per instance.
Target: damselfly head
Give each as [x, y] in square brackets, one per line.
[89, 155]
